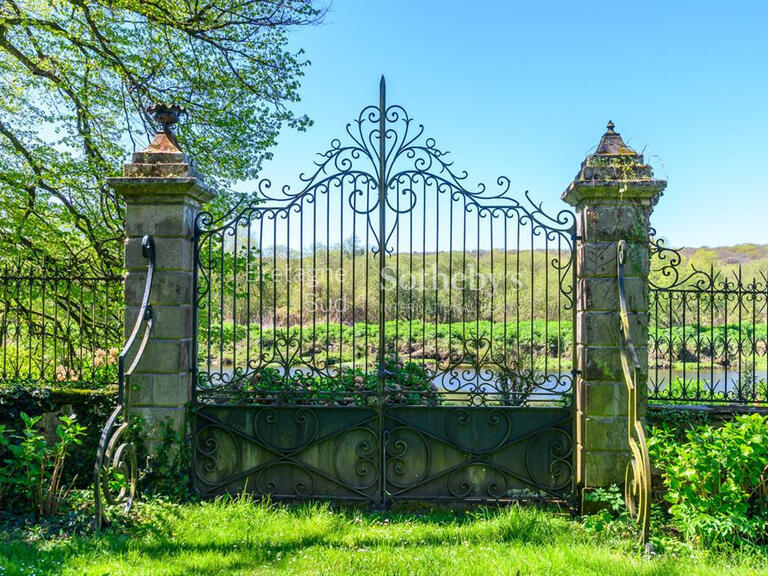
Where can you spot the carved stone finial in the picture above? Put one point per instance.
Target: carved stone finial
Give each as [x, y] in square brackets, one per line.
[612, 143]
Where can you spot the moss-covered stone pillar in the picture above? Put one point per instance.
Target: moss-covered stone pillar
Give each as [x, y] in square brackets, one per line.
[614, 194]
[163, 194]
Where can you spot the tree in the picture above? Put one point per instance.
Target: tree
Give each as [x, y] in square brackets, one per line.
[76, 77]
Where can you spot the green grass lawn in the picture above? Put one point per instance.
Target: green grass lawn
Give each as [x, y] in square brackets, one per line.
[246, 538]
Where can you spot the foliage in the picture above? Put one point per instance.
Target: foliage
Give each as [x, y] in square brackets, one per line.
[675, 420]
[4, 476]
[165, 472]
[81, 374]
[405, 382]
[705, 343]
[92, 407]
[76, 79]
[410, 340]
[716, 479]
[611, 517]
[692, 391]
[335, 283]
[241, 537]
[33, 473]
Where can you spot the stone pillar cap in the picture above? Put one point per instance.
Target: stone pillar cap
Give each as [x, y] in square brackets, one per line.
[612, 142]
[614, 171]
[162, 169]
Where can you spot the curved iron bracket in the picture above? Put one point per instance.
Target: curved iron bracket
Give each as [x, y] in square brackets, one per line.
[637, 481]
[115, 475]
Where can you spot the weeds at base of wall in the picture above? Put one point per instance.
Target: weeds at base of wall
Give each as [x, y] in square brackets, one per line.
[164, 469]
[677, 420]
[32, 473]
[90, 407]
[716, 480]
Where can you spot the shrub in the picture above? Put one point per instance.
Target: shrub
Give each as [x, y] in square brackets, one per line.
[716, 480]
[611, 517]
[32, 476]
[405, 383]
[676, 421]
[4, 477]
[91, 407]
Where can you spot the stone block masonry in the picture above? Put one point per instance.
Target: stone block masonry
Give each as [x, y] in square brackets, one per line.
[163, 195]
[613, 194]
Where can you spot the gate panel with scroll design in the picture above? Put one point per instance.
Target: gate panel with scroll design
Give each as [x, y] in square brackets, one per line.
[477, 453]
[385, 332]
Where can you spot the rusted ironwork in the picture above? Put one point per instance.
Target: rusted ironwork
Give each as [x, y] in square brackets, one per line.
[637, 482]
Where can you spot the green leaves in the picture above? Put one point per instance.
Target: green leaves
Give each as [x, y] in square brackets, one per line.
[407, 383]
[716, 479]
[76, 76]
[32, 476]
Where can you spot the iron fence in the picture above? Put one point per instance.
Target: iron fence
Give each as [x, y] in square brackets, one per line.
[708, 333]
[60, 323]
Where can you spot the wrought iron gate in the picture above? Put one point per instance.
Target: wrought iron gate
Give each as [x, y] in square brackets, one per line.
[385, 333]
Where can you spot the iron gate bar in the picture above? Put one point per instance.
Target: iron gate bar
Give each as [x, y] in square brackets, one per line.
[289, 362]
[383, 436]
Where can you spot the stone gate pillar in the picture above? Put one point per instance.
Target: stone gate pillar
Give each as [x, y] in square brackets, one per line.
[162, 193]
[614, 194]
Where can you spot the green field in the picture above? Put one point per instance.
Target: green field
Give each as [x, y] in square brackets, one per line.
[243, 538]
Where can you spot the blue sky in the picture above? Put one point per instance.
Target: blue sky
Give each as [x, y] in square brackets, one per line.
[524, 89]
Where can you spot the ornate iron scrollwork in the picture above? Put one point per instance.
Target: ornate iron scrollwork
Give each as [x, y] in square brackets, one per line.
[705, 344]
[637, 481]
[115, 476]
[379, 181]
[384, 288]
